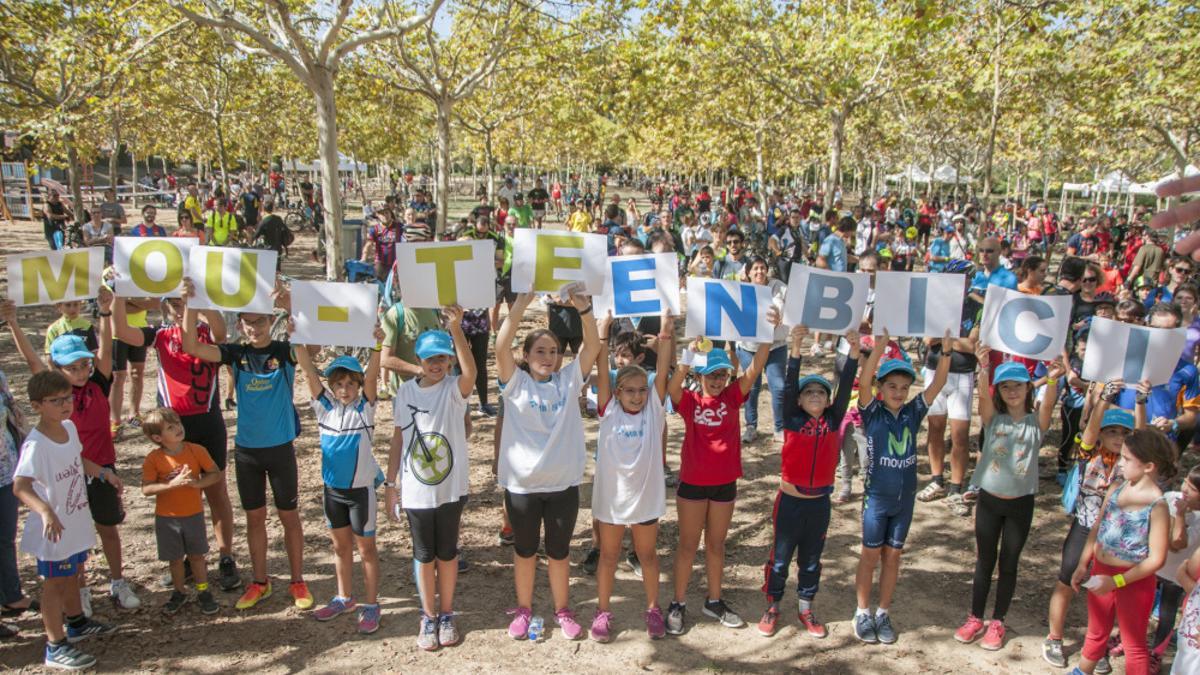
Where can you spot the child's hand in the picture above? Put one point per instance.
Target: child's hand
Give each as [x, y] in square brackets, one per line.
[773, 316]
[983, 353]
[605, 326]
[1143, 391]
[291, 326]
[378, 334]
[52, 527]
[798, 334]
[1056, 369]
[182, 477]
[189, 289]
[392, 501]
[576, 297]
[105, 299]
[8, 310]
[453, 315]
[854, 340]
[947, 341]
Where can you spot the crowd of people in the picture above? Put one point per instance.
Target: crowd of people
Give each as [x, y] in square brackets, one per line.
[1133, 533]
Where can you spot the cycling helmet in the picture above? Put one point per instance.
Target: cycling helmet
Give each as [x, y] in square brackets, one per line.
[1105, 298]
[958, 266]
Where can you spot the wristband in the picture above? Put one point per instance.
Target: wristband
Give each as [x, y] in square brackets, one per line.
[1051, 380]
[665, 336]
[1119, 580]
[688, 356]
[105, 313]
[1086, 447]
[585, 310]
[388, 484]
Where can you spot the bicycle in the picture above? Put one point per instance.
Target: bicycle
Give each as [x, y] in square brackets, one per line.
[299, 218]
[429, 456]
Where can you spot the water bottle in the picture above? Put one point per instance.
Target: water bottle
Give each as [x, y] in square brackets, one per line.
[536, 628]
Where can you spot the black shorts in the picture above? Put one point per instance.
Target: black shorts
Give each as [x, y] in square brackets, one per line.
[1072, 550]
[124, 354]
[435, 531]
[567, 326]
[258, 466]
[504, 290]
[527, 512]
[355, 508]
[104, 501]
[712, 493]
[207, 429]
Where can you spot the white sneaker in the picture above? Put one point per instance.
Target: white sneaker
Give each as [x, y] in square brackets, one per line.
[85, 601]
[123, 595]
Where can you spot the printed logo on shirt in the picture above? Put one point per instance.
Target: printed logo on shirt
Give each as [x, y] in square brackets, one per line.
[430, 458]
[710, 417]
[258, 384]
[897, 447]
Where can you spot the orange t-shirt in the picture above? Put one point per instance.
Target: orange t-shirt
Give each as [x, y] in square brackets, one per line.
[159, 467]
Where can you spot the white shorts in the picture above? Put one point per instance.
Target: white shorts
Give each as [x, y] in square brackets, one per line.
[954, 400]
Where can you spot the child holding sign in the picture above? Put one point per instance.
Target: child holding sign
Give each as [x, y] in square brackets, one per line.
[710, 465]
[891, 423]
[429, 451]
[90, 376]
[542, 454]
[1007, 476]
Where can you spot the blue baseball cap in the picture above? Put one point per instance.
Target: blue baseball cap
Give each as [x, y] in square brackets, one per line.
[434, 342]
[1011, 371]
[67, 349]
[344, 362]
[896, 366]
[1116, 417]
[718, 359]
[814, 379]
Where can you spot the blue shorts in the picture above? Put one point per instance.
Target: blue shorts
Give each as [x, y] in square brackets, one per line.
[56, 569]
[886, 520]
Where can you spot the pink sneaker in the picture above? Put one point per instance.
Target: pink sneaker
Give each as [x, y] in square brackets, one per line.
[656, 627]
[336, 607]
[600, 629]
[970, 630]
[519, 626]
[994, 639]
[565, 619]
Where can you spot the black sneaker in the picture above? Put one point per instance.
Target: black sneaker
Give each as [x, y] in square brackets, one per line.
[676, 613]
[487, 411]
[90, 628]
[718, 610]
[463, 565]
[864, 628]
[65, 657]
[174, 603]
[1052, 652]
[228, 579]
[207, 604]
[592, 561]
[634, 564]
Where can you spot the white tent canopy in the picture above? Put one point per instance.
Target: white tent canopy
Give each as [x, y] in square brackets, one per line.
[948, 174]
[912, 173]
[345, 165]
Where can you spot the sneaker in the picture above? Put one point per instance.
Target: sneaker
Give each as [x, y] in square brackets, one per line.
[749, 434]
[815, 350]
[134, 422]
[123, 595]
[368, 619]
[463, 565]
[65, 657]
[656, 628]
[89, 629]
[565, 619]
[884, 629]
[591, 561]
[206, 602]
[769, 621]
[1103, 667]
[115, 430]
[600, 631]
[506, 537]
[301, 598]
[778, 438]
[8, 630]
[427, 637]
[228, 579]
[994, 639]
[971, 494]
[85, 601]
[635, 565]
[843, 495]
[335, 608]
[864, 628]
[1052, 652]
[971, 630]
[519, 626]
[255, 593]
[174, 603]
[447, 632]
[487, 411]
[932, 492]
[811, 625]
[957, 506]
[188, 579]
[720, 611]
[670, 479]
[1061, 479]
[676, 613]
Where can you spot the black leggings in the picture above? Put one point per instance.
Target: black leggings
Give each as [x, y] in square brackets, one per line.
[999, 524]
[1070, 427]
[479, 350]
[556, 510]
[1168, 609]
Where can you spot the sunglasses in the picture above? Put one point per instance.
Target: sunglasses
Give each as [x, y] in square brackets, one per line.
[1183, 270]
[1090, 280]
[987, 250]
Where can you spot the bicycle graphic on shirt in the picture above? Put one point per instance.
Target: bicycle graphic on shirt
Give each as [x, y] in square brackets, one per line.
[428, 455]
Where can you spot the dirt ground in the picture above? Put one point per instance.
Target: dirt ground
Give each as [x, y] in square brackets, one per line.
[932, 598]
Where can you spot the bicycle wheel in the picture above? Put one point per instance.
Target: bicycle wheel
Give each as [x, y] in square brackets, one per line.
[294, 221]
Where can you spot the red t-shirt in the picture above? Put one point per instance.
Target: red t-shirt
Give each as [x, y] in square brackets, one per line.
[90, 416]
[712, 439]
[186, 384]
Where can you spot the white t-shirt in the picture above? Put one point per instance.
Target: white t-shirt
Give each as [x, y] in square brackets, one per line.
[1187, 654]
[862, 235]
[541, 445]
[695, 237]
[507, 192]
[1176, 558]
[57, 473]
[629, 488]
[433, 467]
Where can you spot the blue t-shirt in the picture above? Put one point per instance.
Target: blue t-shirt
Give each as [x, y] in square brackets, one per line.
[1001, 277]
[892, 447]
[1164, 398]
[939, 248]
[263, 378]
[833, 249]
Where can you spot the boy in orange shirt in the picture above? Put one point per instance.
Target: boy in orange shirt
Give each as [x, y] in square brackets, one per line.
[175, 474]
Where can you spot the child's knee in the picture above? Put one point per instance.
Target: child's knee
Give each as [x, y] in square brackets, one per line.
[891, 556]
[870, 555]
[366, 547]
[609, 556]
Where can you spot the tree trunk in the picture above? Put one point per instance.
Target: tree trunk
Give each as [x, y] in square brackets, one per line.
[989, 155]
[836, 140]
[758, 159]
[114, 159]
[327, 136]
[489, 160]
[445, 108]
[133, 179]
[74, 178]
[220, 127]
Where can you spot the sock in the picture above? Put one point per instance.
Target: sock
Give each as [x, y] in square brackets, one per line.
[940, 481]
[202, 586]
[805, 605]
[77, 621]
[51, 645]
[264, 582]
[955, 488]
[862, 611]
[880, 612]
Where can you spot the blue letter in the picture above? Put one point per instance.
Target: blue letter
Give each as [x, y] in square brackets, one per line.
[1135, 355]
[624, 287]
[1006, 324]
[817, 300]
[918, 288]
[717, 301]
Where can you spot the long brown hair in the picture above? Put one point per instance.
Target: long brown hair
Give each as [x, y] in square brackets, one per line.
[531, 339]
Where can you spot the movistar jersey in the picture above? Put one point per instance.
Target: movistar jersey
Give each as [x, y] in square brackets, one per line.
[892, 447]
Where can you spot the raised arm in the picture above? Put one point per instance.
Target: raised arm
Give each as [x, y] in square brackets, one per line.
[760, 356]
[665, 350]
[986, 407]
[1057, 369]
[603, 381]
[191, 341]
[791, 378]
[866, 382]
[675, 387]
[942, 373]
[591, 337]
[103, 361]
[371, 377]
[1140, 417]
[845, 385]
[462, 349]
[8, 312]
[505, 364]
[303, 359]
[121, 328]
